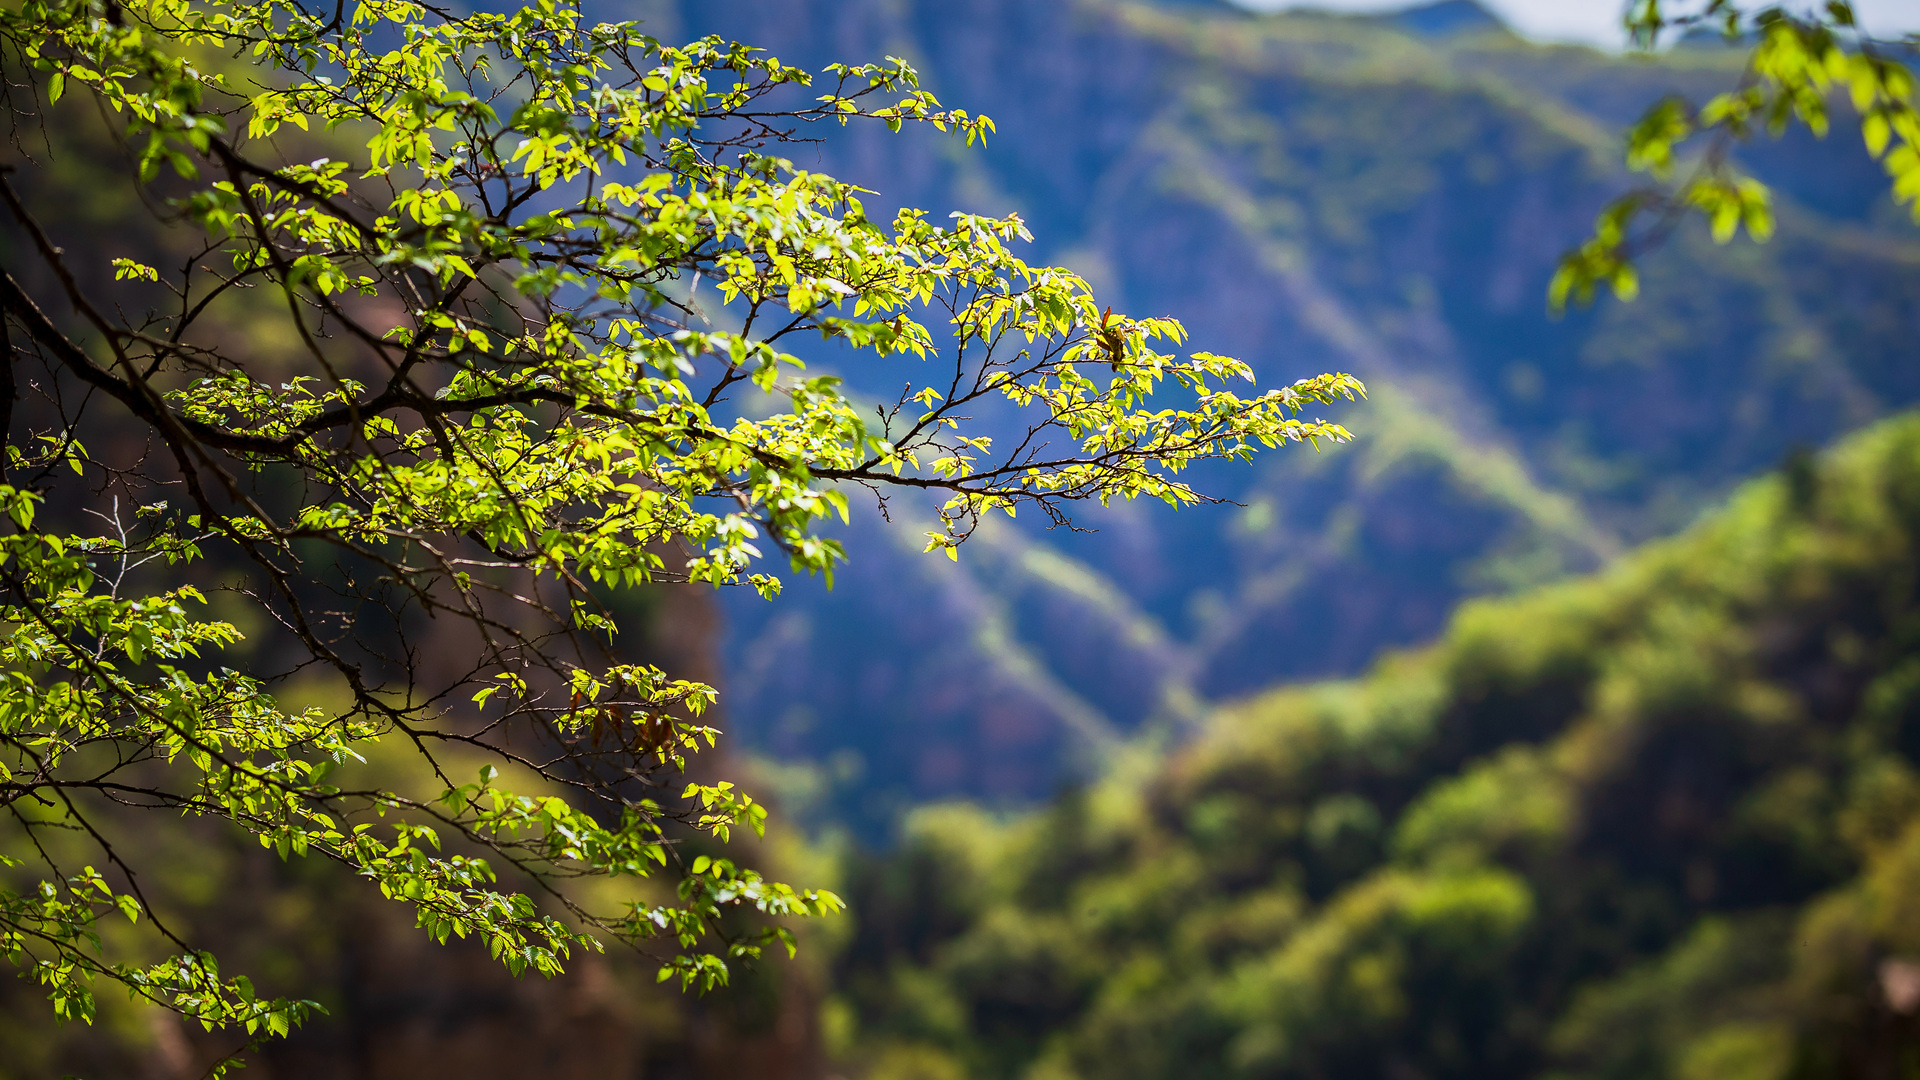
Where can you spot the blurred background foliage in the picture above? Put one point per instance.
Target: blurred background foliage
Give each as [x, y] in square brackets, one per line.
[1663, 821]
[1658, 821]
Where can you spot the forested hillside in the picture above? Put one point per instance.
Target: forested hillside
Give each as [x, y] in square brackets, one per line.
[1309, 193]
[1663, 822]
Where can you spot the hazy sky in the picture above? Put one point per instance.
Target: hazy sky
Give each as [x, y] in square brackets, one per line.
[1597, 22]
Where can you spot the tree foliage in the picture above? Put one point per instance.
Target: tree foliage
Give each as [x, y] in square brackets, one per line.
[484, 318]
[1796, 65]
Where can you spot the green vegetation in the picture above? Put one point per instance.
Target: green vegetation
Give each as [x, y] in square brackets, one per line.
[1663, 822]
[1798, 64]
[410, 414]
[340, 486]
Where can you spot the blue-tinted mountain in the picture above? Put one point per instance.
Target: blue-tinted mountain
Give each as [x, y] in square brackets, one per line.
[1310, 192]
[1445, 19]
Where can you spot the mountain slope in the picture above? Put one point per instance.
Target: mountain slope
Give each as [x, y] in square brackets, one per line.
[1659, 822]
[1308, 192]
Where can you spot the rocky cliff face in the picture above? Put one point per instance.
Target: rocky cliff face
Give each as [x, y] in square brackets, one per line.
[1386, 196]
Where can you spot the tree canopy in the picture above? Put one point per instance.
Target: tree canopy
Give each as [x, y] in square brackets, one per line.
[481, 319]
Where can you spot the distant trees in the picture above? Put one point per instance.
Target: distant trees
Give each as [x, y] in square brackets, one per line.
[1798, 63]
[1663, 821]
[319, 494]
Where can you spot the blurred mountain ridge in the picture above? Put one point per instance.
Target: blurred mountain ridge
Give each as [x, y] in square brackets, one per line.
[1444, 19]
[1310, 192]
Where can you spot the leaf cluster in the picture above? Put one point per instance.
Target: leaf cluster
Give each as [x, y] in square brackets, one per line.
[1796, 65]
